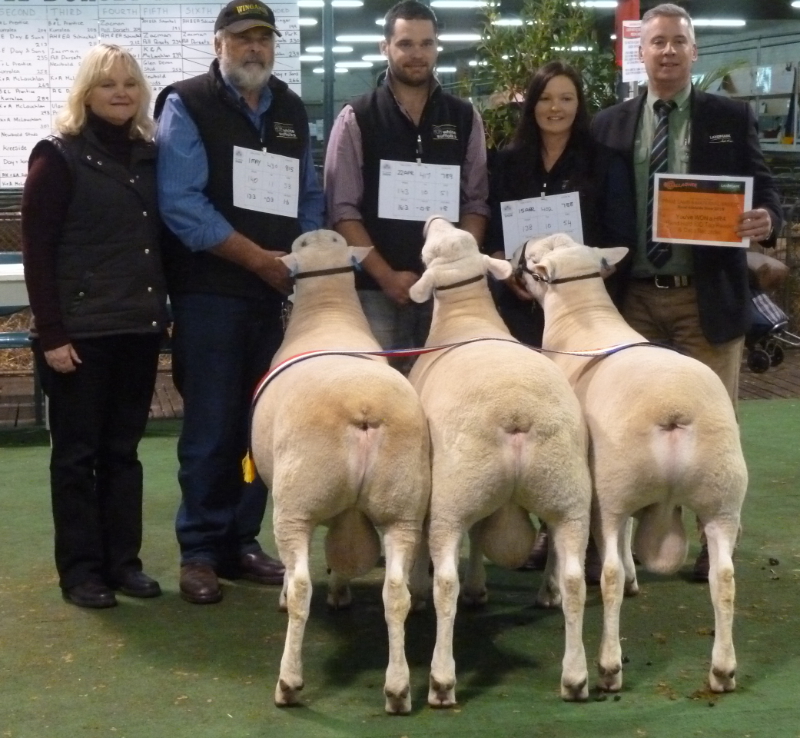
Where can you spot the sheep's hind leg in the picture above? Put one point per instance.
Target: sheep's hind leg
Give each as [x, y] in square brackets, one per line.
[444, 545]
[293, 547]
[721, 540]
[400, 544]
[612, 583]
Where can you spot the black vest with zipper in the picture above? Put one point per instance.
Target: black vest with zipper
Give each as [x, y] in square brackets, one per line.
[222, 125]
[108, 263]
[388, 133]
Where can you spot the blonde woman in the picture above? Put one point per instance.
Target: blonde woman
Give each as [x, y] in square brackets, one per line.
[90, 240]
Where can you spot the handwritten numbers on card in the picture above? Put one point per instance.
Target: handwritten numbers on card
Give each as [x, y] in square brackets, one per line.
[540, 217]
[413, 191]
[265, 182]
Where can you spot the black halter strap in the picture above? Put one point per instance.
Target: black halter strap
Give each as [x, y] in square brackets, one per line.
[522, 266]
[324, 272]
[471, 280]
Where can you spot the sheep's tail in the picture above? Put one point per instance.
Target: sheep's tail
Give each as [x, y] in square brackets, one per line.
[352, 545]
[506, 537]
[660, 540]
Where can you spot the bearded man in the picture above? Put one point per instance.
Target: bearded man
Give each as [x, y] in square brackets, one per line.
[409, 118]
[218, 133]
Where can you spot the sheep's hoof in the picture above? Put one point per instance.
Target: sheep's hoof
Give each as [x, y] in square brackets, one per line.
[340, 599]
[610, 678]
[548, 598]
[474, 598]
[287, 695]
[722, 681]
[398, 703]
[576, 691]
[442, 694]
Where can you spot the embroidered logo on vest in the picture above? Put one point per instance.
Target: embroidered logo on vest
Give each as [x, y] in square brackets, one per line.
[284, 130]
[719, 138]
[445, 132]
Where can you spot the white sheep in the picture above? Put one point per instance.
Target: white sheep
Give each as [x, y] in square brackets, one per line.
[507, 439]
[663, 435]
[341, 441]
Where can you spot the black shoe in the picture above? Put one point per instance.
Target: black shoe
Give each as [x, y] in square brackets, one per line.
[261, 568]
[92, 593]
[135, 583]
[537, 559]
[700, 568]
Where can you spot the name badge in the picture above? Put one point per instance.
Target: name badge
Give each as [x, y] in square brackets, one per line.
[410, 190]
[537, 217]
[268, 183]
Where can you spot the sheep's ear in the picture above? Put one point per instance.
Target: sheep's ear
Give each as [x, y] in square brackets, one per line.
[358, 253]
[611, 256]
[291, 262]
[543, 270]
[498, 268]
[422, 289]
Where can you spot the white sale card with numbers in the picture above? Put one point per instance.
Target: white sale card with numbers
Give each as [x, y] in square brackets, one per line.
[411, 190]
[537, 217]
[269, 183]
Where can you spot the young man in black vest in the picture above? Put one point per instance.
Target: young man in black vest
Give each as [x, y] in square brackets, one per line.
[408, 118]
[226, 283]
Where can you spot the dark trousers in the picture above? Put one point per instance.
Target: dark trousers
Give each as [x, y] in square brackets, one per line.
[222, 346]
[97, 417]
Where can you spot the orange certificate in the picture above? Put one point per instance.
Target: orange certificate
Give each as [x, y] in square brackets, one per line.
[700, 209]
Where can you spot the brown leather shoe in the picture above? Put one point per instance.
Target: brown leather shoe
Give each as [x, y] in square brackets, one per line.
[199, 584]
[700, 568]
[261, 568]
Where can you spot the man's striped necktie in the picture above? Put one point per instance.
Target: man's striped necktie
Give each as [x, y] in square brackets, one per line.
[658, 253]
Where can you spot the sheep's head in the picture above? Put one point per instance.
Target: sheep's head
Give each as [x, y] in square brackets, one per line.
[451, 255]
[565, 261]
[322, 249]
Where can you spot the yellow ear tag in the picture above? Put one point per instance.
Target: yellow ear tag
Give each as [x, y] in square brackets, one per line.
[248, 468]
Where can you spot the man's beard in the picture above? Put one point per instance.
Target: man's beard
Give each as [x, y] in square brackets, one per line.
[246, 76]
[400, 75]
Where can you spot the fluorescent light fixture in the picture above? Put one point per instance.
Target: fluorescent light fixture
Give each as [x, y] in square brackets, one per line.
[460, 37]
[306, 21]
[796, 4]
[315, 49]
[342, 49]
[379, 21]
[507, 22]
[453, 4]
[360, 38]
[310, 57]
[719, 22]
[476, 63]
[310, 3]
[348, 3]
[354, 64]
[597, 3]
[572, 48]
[374, 57]
[446, 70]
[337, 70]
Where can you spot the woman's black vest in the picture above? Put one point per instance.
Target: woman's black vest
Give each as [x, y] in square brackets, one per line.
[109, 269]
[388, 133]
[222, 125]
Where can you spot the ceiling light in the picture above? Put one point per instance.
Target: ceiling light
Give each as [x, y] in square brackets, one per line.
[348, 3]
[374, 57]
[310, 57]
[310, 3]
[306, 21]
[337, 70]
[460, 37]
[315, 49]
[449, 4]
[597, 3]
[446, 70]
[796, 4]
[719, 22]
[354, 64]
[342, 49]
[507, 22]
[360, 38]
[476, 63]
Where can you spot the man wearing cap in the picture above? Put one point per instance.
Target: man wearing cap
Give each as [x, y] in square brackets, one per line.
[409, 118]
[226, 282]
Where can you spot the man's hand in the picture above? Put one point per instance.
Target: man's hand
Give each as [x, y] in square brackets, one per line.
[517, 286]
[755, 224]
[274, 272]
[63, 359]
[395, 285]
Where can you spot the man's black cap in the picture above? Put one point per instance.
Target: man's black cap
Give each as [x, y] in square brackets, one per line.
[239, 16]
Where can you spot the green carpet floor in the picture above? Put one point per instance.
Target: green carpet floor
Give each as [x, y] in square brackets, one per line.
[148, 669]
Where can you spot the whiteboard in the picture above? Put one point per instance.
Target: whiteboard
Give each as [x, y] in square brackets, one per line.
[43, 41]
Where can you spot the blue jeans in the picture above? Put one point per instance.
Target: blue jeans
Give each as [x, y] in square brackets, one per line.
[397, 326]
[222, 346]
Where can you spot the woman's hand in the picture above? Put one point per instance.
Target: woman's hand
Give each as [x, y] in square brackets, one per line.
[63, 359]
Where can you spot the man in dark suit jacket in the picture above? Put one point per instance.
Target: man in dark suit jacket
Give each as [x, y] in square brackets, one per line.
[698, 300]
